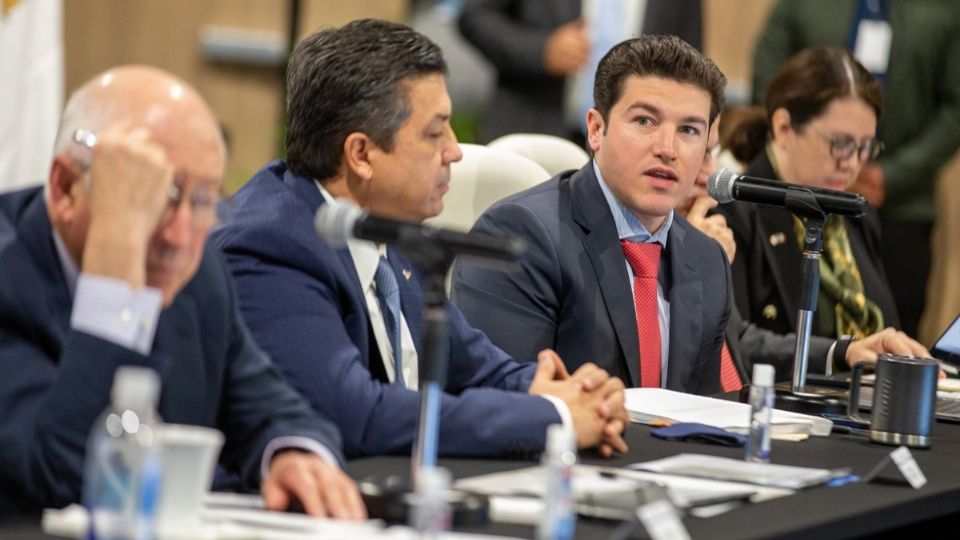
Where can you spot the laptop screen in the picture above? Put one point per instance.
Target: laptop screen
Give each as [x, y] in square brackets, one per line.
[947, 348]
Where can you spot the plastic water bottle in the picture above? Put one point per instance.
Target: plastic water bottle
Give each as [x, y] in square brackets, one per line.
[761, 407]
[122, 469]
[431, 515]
[559, 516]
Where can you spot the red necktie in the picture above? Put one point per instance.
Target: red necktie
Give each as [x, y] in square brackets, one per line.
[729, 378]
[644, 259]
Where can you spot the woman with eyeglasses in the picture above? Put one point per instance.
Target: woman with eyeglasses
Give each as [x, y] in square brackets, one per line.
[817, 128]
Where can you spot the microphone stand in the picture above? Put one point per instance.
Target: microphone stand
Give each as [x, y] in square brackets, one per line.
[804, 205]
[433, 262]
[390, 499]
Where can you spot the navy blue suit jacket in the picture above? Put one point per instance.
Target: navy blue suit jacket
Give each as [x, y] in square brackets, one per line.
[572, 291]
[55, 381]
[303, 303]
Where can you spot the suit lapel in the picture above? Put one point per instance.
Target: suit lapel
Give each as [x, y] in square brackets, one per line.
[178, 355]
[601, 242]
[37, 238]
[686, 306]
[776, 234]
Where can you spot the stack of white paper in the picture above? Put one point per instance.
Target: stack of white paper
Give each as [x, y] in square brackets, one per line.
[655, 405]
[738, 470]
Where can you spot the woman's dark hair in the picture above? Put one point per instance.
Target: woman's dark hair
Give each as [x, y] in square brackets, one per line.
[804, 86]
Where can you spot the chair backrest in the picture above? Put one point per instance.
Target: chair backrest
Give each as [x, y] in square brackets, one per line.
[484, 176]
[553, 153]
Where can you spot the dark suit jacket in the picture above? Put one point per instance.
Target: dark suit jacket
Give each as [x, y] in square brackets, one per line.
[303, 302]
[56, 380]
[572, 291]
[766, 270]
[749, 344]
[512, 35]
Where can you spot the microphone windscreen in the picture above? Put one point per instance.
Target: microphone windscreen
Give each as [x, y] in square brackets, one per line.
[720, 185]
[335, 221]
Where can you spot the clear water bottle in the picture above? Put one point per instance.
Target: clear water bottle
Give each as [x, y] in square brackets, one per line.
[431, 515]
[559, 514]
[122, 468]
[761, 408]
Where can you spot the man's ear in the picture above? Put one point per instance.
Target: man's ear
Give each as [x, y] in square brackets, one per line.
[356, 155]
[595, 129]
[64, 187]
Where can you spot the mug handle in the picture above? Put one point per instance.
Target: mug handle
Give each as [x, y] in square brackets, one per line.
[853, 403]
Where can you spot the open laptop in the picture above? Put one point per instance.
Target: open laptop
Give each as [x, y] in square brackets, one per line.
[947, 347]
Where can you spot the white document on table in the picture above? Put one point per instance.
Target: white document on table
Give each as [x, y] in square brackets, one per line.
[653, 405]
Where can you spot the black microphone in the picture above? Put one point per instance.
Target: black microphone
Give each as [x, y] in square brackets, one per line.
[338, 222]
[725, 186]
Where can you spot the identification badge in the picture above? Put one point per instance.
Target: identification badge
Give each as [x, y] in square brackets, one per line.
[874, 37]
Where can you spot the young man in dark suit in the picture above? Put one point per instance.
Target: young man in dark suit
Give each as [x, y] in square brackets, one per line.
[578, 290]
[108, 266]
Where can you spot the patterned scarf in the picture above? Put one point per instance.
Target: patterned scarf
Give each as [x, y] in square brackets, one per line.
[840, 280]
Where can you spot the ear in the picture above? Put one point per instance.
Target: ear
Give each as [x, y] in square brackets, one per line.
[781, 123]
[356, 155]
[65, 188]
[595, 129]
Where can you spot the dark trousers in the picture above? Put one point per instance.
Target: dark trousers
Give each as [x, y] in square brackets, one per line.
[906, 259]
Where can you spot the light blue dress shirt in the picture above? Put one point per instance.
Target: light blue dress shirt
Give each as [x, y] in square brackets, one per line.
[630, 228]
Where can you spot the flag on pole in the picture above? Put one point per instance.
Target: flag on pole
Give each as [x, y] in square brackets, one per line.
[31, 89]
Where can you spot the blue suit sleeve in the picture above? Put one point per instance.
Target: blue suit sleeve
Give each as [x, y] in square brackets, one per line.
[302, 321]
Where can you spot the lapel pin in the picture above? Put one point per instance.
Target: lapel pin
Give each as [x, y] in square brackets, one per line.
[770, 312]
[777, 238]
[407, 274]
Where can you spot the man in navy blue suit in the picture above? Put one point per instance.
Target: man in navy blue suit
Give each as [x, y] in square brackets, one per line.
[368, 120]
[107, 266]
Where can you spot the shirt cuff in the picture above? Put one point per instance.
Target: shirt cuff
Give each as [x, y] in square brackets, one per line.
[294, 442]
[109, 309]
[828, 365]
[565, 417]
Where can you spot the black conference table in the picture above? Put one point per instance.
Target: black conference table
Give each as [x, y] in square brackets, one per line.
[886, 507]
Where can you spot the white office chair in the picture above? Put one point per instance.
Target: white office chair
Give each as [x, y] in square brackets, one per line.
[553, 153]
[484, 176]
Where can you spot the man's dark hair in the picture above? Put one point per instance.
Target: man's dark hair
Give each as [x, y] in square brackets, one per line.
[350, 79]
[667, 57]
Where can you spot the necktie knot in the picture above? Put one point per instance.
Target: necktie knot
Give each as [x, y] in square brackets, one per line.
[643, 258]
[386, 282]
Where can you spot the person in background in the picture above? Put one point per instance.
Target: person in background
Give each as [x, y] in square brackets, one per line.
[108, 266]
[821, 113]
[368, 120]
[913, 48]
[750, 344]
[542, 49]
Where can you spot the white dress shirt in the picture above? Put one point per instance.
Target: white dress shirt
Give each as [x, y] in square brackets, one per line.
[366, 256]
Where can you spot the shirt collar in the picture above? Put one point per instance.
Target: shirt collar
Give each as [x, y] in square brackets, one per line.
[70, 271]
[628, 226]
[365, 254]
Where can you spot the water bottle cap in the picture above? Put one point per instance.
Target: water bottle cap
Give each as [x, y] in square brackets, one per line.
[762, 375]
[135, 387]
[560, 439]
[433, 480]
